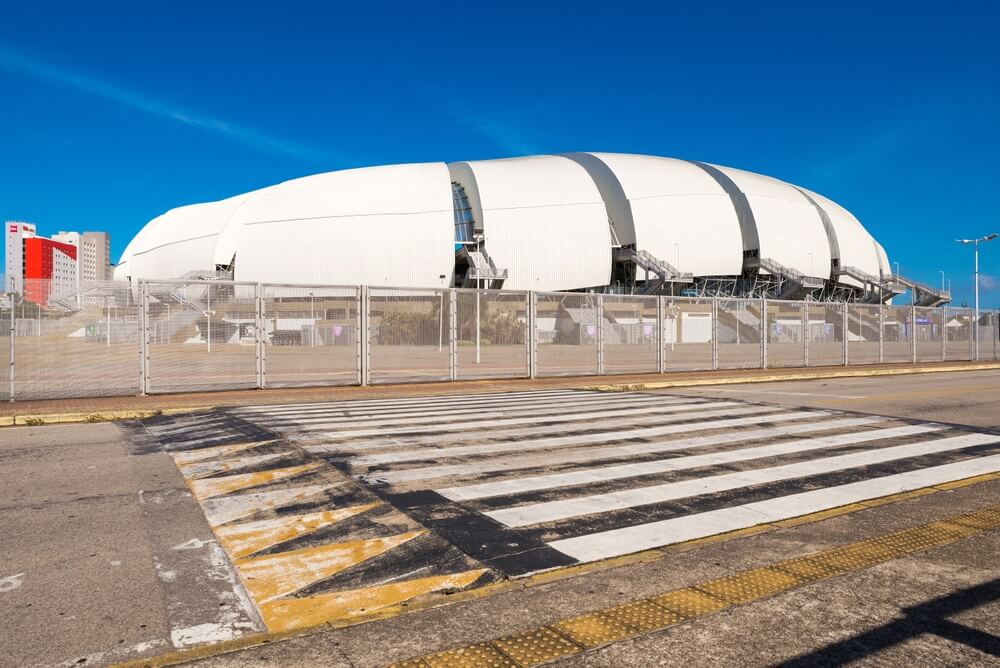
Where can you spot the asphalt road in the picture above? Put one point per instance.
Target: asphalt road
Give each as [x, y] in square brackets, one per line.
[107, 556]
[969, 398]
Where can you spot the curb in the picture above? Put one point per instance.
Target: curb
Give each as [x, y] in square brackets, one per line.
[818, 374]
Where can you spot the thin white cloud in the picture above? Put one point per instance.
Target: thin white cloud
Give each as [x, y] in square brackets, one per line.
[18, 63]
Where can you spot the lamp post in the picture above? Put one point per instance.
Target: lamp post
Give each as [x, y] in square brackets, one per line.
[942, 280]
[975, 243]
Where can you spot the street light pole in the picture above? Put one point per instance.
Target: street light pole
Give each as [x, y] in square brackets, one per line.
[975, 243]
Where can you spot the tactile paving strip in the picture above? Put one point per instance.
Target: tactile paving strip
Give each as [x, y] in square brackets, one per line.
[574, 635]
[749, 585]
[689, 602]
[985, 519]
[642, 616]
[482, 655]
[593, 630]
[536, 646]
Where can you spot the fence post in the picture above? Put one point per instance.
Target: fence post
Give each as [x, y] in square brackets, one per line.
[913, 331]
[661, 358]
[13, 335]
[260, 338]
[763, 332]
[996, 332]
[364, 335]
[529, 326]
[453, 333]
[973, 337]
[847, 333]
[944, 333]
[715, 333]
[144, 338]
[881, 333]
[533, 334]
[600, 335]
[805, 333]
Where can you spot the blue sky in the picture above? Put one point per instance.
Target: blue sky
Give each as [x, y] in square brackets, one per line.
[113, 112]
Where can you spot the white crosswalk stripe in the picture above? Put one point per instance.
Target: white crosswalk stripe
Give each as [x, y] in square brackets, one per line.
[560, 467]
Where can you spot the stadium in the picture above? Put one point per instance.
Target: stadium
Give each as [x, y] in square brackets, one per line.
[590, 222]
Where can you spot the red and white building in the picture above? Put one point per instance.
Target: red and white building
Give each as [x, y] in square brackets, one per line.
[37, 267]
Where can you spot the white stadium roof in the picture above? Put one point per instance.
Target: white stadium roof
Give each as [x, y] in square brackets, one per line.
[550, 221]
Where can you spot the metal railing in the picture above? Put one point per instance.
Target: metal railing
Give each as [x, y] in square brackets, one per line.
[197, 335]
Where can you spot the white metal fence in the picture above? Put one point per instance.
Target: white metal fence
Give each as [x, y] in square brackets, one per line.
[177, 336]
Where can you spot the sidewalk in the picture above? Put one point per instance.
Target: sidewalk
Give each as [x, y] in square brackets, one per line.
[111, 408]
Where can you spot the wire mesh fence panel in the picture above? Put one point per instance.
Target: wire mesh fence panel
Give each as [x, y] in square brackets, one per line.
[566, 333]
[629, 331]
[687, 334]
[863, 333]
[989, 332]
[409, 334]
[928, 330]
[897, 332]
[6, 325]
[958, 322]
[491, 330]
[75, 341]
[310, 335]
[785, 331]
[202, 336]
[824, 329]
[739, 330]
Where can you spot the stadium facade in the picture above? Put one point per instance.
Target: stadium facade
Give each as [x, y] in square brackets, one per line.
[596, 222]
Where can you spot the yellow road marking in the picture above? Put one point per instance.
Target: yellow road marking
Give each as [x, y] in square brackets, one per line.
[276, 575]
[190, 456]
[291, 613]
[242, 540]
[231, 508]
[206, 489]
[204, 469]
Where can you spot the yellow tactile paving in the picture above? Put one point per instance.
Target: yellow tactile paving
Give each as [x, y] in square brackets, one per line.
[579, 633]
[275, 575]
[688, 602]
[593, 630]
[642, 616]
[482, 655]
[985, 520]
[191, 456]
[749, 585]
[536, 646]
[243, 540]
[211, 487]
[806, 570]
[293, 613]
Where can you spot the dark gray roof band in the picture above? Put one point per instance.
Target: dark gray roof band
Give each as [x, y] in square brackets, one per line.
[831, 233]
[748, 226]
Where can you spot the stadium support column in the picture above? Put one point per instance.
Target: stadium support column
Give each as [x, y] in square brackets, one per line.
[661, 358]
[763, 333]
[600, 335]
[453, 333]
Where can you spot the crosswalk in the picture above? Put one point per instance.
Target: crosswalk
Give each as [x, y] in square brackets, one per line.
[527, 481]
